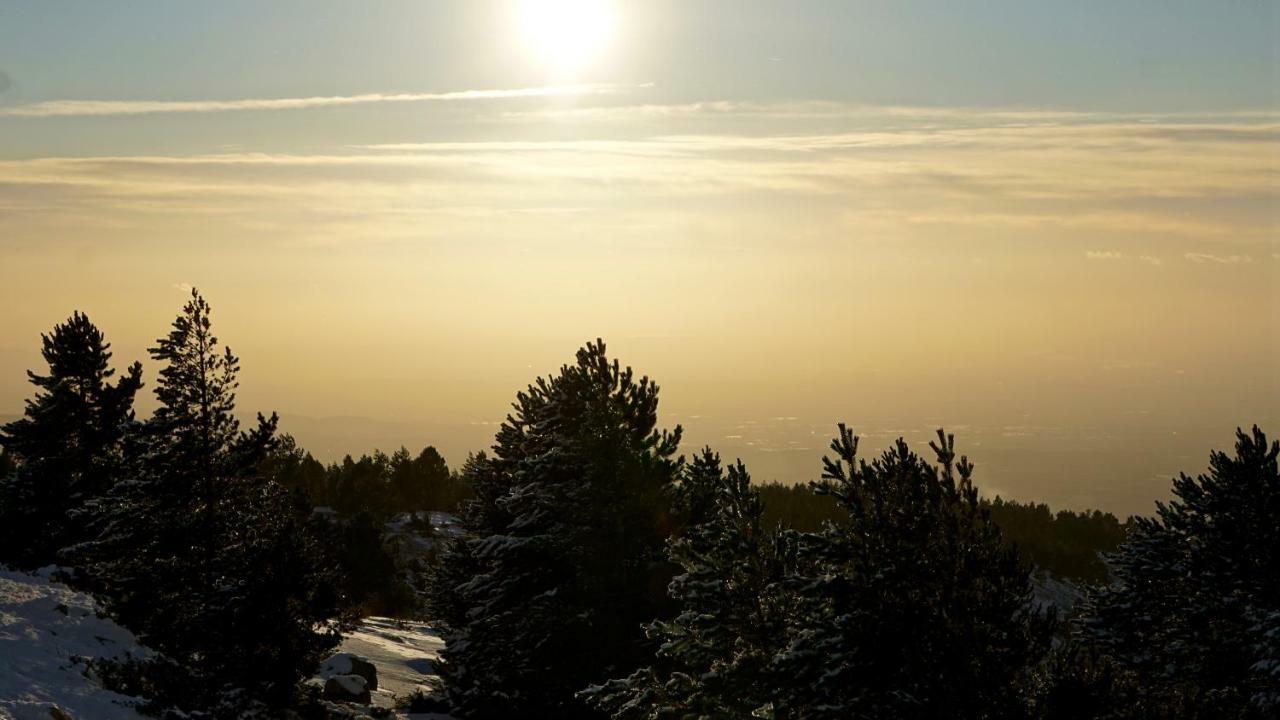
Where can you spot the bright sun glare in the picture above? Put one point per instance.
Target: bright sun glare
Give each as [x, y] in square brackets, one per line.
[567, 35]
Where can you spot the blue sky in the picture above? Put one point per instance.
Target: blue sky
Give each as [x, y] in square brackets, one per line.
[1136, 56]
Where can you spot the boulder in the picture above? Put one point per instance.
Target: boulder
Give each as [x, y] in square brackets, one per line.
[347, 688]
[345, 663]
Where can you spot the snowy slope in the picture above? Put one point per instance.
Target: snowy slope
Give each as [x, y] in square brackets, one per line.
[405, 529]
[44, 628]
[405, 654]
[1052, 592]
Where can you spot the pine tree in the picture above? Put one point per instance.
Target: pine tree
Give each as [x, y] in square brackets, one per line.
[406, 493]
[68, 446]
[1193, 610]
[207, 562]
[1078, 683]
[446, 598]
[913, 607]
[296, 469]
[7, 465]
[568, 526]
[714, 659]
[434, 482]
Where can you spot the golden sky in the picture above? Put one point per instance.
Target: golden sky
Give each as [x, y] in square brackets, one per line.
[1067, 253]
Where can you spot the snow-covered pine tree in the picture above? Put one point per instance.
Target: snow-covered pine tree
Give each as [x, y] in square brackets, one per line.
[714, 658]
[446, 596]
[207, 562]
[68, 444]
[571, 514]
[1197, 593]
[913, 607]
[1265, 697]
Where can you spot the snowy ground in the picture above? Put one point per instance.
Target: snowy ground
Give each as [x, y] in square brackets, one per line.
[405, 654]
[415, 545]
[1050, 592]
[44, 628]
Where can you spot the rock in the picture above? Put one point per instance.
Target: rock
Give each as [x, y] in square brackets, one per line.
[347, 688]
[345, 663]
[365, 669]
[57, 713]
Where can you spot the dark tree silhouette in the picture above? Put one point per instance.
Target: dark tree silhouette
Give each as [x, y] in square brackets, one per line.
[1067, 544]
[1195, 610]
[481, 517]
[68, 447]
[568, 525]
[714, 659]
[207, 562]
[914, 606]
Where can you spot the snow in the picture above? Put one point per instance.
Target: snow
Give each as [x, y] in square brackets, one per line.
[45, 628]
[351, 684]
[406, 529]
[1051, 592]
[338, 664]
[405, 653]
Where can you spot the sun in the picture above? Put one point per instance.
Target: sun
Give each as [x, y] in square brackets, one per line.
[567, 36]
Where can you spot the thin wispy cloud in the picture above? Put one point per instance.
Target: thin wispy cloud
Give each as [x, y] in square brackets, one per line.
[73, 108]
[1197, 257]
[1115, 255]
[829, 110]
[1107, 186]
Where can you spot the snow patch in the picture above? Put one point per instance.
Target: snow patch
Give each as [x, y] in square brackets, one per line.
[1050, 592]
[405, 654]
[46, 631]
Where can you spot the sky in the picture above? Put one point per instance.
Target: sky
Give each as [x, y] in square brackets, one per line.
[1050, 227]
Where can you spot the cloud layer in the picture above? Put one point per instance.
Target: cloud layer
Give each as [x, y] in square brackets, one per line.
[1104, 185]
[72, 108]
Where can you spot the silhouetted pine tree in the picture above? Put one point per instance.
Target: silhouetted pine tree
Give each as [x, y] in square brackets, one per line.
[914, 607]
[1195, 607]
[295, 468]
[446, 598]
[569, 521]
[714, 659]
[208, 563]
[68, 444]
[434, 482]
[1077, 683]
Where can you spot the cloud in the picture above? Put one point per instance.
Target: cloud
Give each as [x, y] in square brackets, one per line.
[1219, 259]
[184, 288]
[76, 108]
[1117, 255]
[1086, 180]
[828, 110]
